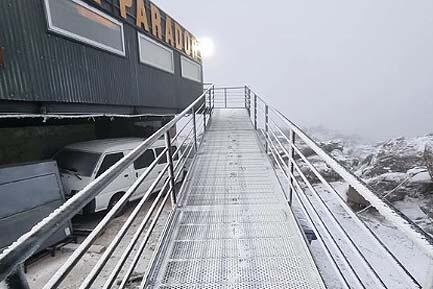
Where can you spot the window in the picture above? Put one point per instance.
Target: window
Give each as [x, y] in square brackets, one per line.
[77, 20]
[163, 160]
[155, 54]
[108, 162]
[190, 69]
[145, 160]
[77, 162]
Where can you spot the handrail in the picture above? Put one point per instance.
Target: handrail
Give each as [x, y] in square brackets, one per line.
[17, 253]
[264, 118]
[385, 208]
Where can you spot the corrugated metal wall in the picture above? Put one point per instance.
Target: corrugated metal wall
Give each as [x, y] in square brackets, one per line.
[44, 67]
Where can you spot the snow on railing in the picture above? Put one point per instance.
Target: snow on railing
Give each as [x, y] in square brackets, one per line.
[281, 137]
[195, 119]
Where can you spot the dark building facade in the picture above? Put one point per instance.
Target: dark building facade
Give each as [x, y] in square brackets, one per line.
[95, 56]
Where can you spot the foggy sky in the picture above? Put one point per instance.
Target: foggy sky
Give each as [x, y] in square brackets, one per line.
[358, 66]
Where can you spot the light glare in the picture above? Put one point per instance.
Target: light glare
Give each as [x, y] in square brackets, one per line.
[206, 47]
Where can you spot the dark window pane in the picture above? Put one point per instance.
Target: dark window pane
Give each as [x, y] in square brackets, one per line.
[79, 162]
[108, 162]
[81, 23]
[145, 160]
[163, 160]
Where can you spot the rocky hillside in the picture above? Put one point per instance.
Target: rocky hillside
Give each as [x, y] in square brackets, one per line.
[399, 170]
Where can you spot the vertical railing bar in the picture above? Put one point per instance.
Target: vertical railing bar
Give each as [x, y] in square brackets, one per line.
[267, 126]
[204, 114]
[225, 97]
[255, 111]
[291, 160]
[194, 127]
[170, 169]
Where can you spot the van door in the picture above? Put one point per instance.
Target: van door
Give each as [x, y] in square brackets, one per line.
[140, 166]
[118, 185]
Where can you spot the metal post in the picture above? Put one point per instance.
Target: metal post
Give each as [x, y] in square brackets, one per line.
[291, 160]
[249, 101]
[210, 104]
[170, 169]
[255, 111]
[194, 128]
[225, 97]
[267, 127]
[204, 114]
[213, 98]
[245, 97]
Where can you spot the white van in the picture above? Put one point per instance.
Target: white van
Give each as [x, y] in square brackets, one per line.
[82, 163]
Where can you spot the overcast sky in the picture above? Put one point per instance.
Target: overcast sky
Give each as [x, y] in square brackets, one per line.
[358, 66]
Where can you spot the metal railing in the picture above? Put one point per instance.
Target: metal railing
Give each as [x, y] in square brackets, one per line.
[282, 140]
[191, 124]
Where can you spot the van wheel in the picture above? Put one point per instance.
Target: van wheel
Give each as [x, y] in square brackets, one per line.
[114, 200]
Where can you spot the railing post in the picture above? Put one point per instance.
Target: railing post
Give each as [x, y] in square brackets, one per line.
[210, 102]
[170, 168]
[225, 97]
[267, 127]
[249, 101]
[245, 97]
[194, 127]
[291, 166]
[255, 111]
[213, 98]
[204, 114]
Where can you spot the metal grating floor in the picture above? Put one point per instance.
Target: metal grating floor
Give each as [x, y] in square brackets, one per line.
[233, 228]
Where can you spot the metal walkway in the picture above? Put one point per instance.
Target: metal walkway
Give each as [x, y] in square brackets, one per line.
[231, 224]
[234, 228]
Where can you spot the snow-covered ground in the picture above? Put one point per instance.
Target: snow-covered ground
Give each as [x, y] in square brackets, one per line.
[41, 271]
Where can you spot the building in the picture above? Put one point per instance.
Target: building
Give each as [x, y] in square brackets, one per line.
[73, 70]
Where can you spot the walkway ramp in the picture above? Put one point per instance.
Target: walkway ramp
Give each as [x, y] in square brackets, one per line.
[234, 228]
[231, 226]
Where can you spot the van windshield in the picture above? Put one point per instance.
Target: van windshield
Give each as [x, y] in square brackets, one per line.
[78, 162]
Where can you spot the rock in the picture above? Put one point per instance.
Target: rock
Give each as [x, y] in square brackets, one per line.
[355, 200]
[428, 156]
[396, 155]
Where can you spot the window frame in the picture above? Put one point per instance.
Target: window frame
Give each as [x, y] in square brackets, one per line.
[182, 58]
[154, 158]
[142, 61]
[101, 161]
[53, 28]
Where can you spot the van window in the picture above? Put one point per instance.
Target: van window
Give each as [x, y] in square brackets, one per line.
[163, 160]
[108, 162]
[145, 160]
[78, 162]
